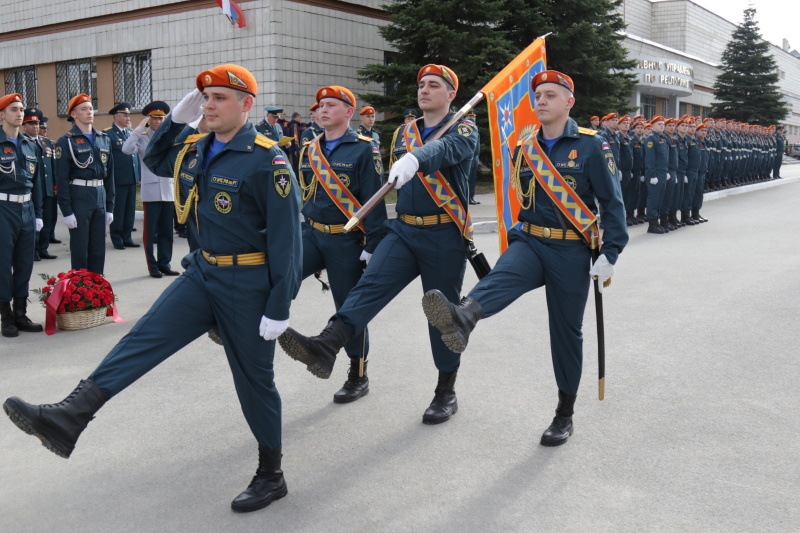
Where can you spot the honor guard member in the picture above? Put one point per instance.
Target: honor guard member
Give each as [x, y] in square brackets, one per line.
[656, 165]
[269, 126]
[398, 147]
[681, 140]
[641, 205]
[85, 177]
[594, 123]
[672, 174]
[625, 160]
[54, 205]
[339, 171]
[157, 194]
[127, 173]
[780, 144]
[20, 216]
[693, 157]
[544, 249]
[367, 117]
[630, 195]
[246, 214]
[609, 131]
[30, 125]
[313, 129]
[697, 198]
[425, 239]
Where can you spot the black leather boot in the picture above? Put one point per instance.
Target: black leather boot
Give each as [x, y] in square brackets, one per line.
[444, 404]
[665, 223]
[672, 220]
[655, 227]
[21, 319]
[640, 217]
[561, 428]
[317, 353]
[8, 323]
[696, 215]
[58, 425]
[454, 322]
[356, 385]
[686, 219]
[267, 486]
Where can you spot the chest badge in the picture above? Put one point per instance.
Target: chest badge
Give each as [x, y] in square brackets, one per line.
[573, 155]
[192, 164]
[223, 202]
[103, 157]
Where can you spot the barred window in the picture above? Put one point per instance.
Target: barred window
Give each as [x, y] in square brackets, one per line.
[132, 80]
[648, 104]
[78, 76]
[22, 80]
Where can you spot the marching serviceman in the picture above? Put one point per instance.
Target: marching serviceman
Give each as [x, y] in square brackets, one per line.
[20, 216]
[367, 116]
[157, 194]
[541, 250]
[126, 176]
[243, 204]
[398, 147]
[339, 172]
[427, 239]
[85, 177]
[30, 125]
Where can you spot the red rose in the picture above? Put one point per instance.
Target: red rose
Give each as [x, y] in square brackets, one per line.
[96, 303]
[47, 289]
[82, 290]
[81, 305]
[62, 308]
[75, 297]
[71, 307]
[88, 283]
[51, 281]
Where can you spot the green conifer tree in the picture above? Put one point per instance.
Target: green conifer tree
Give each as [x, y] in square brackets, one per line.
[747, 90]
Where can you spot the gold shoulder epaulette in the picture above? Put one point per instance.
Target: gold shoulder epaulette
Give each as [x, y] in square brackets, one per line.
[365, 138]
[108, 128]
[587, 131]
[264, 141]
[194, 138]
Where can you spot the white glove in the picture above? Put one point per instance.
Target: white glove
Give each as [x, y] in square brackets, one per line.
[71, 222]
[365, 256]
[39, 225]
[109, 218]
[403, 170]
[189, 109]
[686, 179]
[641, 179]
[601, 270]
[272, 329]
[653, 181]
[619, 175]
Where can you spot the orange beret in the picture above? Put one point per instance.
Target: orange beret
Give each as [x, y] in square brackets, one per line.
[594, 118]
[647, 125]
[701, 127]
[313, 107]
[721, 120]
[637, 117]
[552, 76]
[76, 101]
[610, 116]
[671, 121]
[7, 99]
[657, 118]
[442, 71]
[230, 76]
[367, 110]
[338, 92]
[637, 123]
[624, 118]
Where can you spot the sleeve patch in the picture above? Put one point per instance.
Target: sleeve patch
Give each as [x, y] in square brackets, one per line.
[650, 144]
[465, 129]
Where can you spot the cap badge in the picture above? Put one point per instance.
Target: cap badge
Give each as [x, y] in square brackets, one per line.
[234, 80]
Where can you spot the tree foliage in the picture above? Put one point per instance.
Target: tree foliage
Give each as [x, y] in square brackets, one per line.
[747, 90]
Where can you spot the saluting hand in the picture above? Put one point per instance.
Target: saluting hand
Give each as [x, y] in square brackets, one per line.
[403, 170]
[189, 109]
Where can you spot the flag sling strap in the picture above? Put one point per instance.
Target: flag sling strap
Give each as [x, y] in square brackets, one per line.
[338, 193]
[437, 186]
[565, 199]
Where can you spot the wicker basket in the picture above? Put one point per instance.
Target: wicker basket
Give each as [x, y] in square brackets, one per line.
[81, 319]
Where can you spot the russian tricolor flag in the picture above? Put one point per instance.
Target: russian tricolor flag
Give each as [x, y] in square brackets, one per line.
[233, 12]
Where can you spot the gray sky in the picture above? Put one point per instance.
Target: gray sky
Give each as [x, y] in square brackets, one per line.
[777, 19]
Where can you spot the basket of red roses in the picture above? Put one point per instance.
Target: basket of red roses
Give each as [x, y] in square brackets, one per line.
[79, 299]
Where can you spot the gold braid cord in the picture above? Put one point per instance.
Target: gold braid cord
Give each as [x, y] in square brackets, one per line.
[525, 198]
[310, 189]
[392, 157]
[182, 209]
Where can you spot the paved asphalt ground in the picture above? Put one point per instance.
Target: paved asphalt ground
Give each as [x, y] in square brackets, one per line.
[698, 431]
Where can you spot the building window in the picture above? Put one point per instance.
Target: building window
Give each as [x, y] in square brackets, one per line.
[78, 76]
[648, 105]
[22, 80]
[664, 103]
[684, 109]
[132, 79]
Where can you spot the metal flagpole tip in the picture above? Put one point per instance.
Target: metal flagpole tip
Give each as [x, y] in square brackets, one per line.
[352, 223]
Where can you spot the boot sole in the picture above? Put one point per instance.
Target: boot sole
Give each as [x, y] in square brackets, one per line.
[349, 399]
[30, 428]
[438, 314]
[296, 351]
[440, 419]
[553, 443]
[274, 496]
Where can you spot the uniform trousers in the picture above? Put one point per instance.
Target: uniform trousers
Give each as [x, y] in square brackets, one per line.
[697, 197]
[158, 232]
[680, 189]
[233, 298]
[642, 200]
[54, 215]
[776, 168]
[562, 267]
[689, 191]
[655, 193]
[87, 242]
[435, 253]
[625, 184]
[124, 214]
[17, 242]
[338, 254]
[48, 221]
